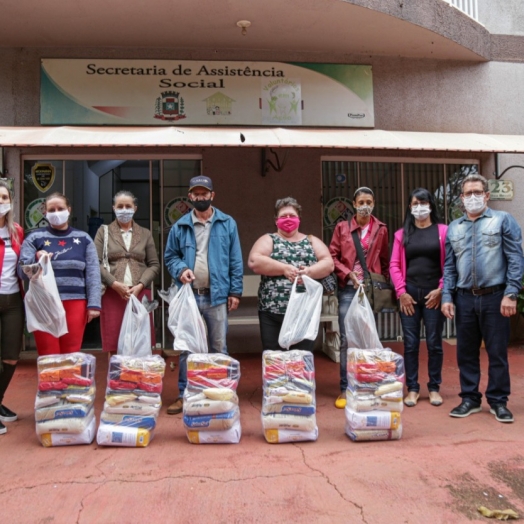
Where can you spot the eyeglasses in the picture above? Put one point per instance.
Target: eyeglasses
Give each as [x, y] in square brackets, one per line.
[288, 216]
[471, 193]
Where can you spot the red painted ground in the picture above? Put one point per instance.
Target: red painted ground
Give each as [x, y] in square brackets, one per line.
[440, 471]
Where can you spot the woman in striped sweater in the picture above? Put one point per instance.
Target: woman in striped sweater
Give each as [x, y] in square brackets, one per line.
[77, 273]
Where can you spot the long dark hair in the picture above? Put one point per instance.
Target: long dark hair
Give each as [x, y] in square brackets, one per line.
[409, 220]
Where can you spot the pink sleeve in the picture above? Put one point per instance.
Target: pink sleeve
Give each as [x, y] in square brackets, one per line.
[395, 265]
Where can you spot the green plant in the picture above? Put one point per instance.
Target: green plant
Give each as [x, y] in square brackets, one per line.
[520, 299]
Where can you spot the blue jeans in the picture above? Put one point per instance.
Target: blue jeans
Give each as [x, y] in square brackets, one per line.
[345, 296]
[480, 318]
[215, 318]
[434, 323]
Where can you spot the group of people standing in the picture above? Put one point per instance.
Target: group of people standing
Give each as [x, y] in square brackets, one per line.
[470, 271]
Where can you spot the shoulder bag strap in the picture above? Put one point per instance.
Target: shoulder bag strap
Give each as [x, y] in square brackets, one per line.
[105, 260]
[360, 253]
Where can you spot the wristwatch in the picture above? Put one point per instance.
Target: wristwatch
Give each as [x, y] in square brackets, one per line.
[512, 296]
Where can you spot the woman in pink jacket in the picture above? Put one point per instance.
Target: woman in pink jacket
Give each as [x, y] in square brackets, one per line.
[416, 269]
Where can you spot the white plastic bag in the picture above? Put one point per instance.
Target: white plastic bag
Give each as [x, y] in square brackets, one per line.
[135, 333]
[185, 322]
[302, 316]
[43, 306]
[361, 330]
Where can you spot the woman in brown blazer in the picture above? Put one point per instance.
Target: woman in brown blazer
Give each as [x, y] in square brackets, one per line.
[133, 265]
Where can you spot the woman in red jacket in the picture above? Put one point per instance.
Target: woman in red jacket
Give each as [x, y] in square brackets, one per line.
[11, 303]
[373, 235]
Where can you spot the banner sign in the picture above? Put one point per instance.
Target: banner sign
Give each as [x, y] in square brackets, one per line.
[178, 92]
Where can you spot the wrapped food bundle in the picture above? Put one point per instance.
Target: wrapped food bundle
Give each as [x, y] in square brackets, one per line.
[374, 394]
[64, 413]
[288, 405]
[132, 402]
[211, 412]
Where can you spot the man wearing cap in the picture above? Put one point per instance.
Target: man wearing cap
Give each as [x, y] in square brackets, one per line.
[203, 249]
[482, 277]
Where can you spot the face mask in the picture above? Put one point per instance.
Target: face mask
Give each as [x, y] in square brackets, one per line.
[124, 215]
[364, 211]
[421, 211]
[288, 224]
[58, 219]
[201, 205]
[474, 204]
[4, 209]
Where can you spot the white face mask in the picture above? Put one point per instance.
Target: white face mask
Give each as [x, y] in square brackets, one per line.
[365, 211]
[58, 218]
[124, 215]
[421, 211]
[4, 209]
[474, 204]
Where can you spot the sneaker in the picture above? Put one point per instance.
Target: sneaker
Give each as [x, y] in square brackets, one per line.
[176, 407]
[3, 429]
[341, 401]
[501, 412]
[466, 408]
[6, 415]
[411, 399]
[435, 399]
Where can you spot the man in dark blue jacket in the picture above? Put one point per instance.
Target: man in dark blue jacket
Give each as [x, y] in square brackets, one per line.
[203, 249]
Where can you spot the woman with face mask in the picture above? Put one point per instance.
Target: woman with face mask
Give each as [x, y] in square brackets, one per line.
[133, 265]
[11, 303]
[77, 274]
[373, 235]
[417, 264]
[280, 257]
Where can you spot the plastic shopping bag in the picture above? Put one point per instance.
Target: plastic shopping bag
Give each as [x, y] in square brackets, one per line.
[43, 306]
[185, 322]
[302, 316]
[361, 330]
[135, 333]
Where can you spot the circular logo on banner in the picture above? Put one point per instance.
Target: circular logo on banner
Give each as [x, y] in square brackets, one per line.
[337, 209]
[175, 209]
[341, 178]
[35, 214]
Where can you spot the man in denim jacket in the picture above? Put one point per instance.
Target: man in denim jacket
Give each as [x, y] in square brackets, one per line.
[482, 277]
[203, 249]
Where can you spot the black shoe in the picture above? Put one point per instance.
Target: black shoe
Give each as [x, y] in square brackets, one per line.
[6, 415]
[501, 412]
[3, 429]
[466, 408]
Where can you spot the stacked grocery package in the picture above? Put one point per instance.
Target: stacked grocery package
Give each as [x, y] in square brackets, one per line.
[211, 412]
[64, 412]
[288, 406]
[132, 402]
[374, 394]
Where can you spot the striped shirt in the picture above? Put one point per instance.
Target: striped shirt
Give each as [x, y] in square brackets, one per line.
[75, 262]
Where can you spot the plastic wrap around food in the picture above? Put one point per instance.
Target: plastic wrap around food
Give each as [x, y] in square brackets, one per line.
[281, 436]
[123, 436]
[363, 435]
[65, 425]
[372, 419]
[130, 421]
[212, 371]
[380, 366]
[49, 440]
[62, 372]
[138, 375]
[211, 412]
[369, 402]
[230, 436]
[288, 403]
[62, 409]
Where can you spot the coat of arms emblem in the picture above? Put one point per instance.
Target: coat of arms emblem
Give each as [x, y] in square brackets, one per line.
[169, 106]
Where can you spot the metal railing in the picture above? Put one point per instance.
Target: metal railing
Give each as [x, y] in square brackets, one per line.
[469, 7]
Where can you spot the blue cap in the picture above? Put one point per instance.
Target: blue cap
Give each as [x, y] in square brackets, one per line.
[201, 181]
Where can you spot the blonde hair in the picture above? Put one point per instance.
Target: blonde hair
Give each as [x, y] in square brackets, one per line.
[10, 216]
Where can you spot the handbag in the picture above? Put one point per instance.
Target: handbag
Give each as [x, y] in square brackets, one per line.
[105, 259]
[329, 283]
[379, 291]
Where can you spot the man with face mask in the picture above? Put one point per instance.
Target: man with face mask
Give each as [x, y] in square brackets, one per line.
[203, 249]
[482, 276]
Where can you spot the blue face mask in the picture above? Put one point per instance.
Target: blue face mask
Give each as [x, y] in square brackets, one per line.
[124, 216]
